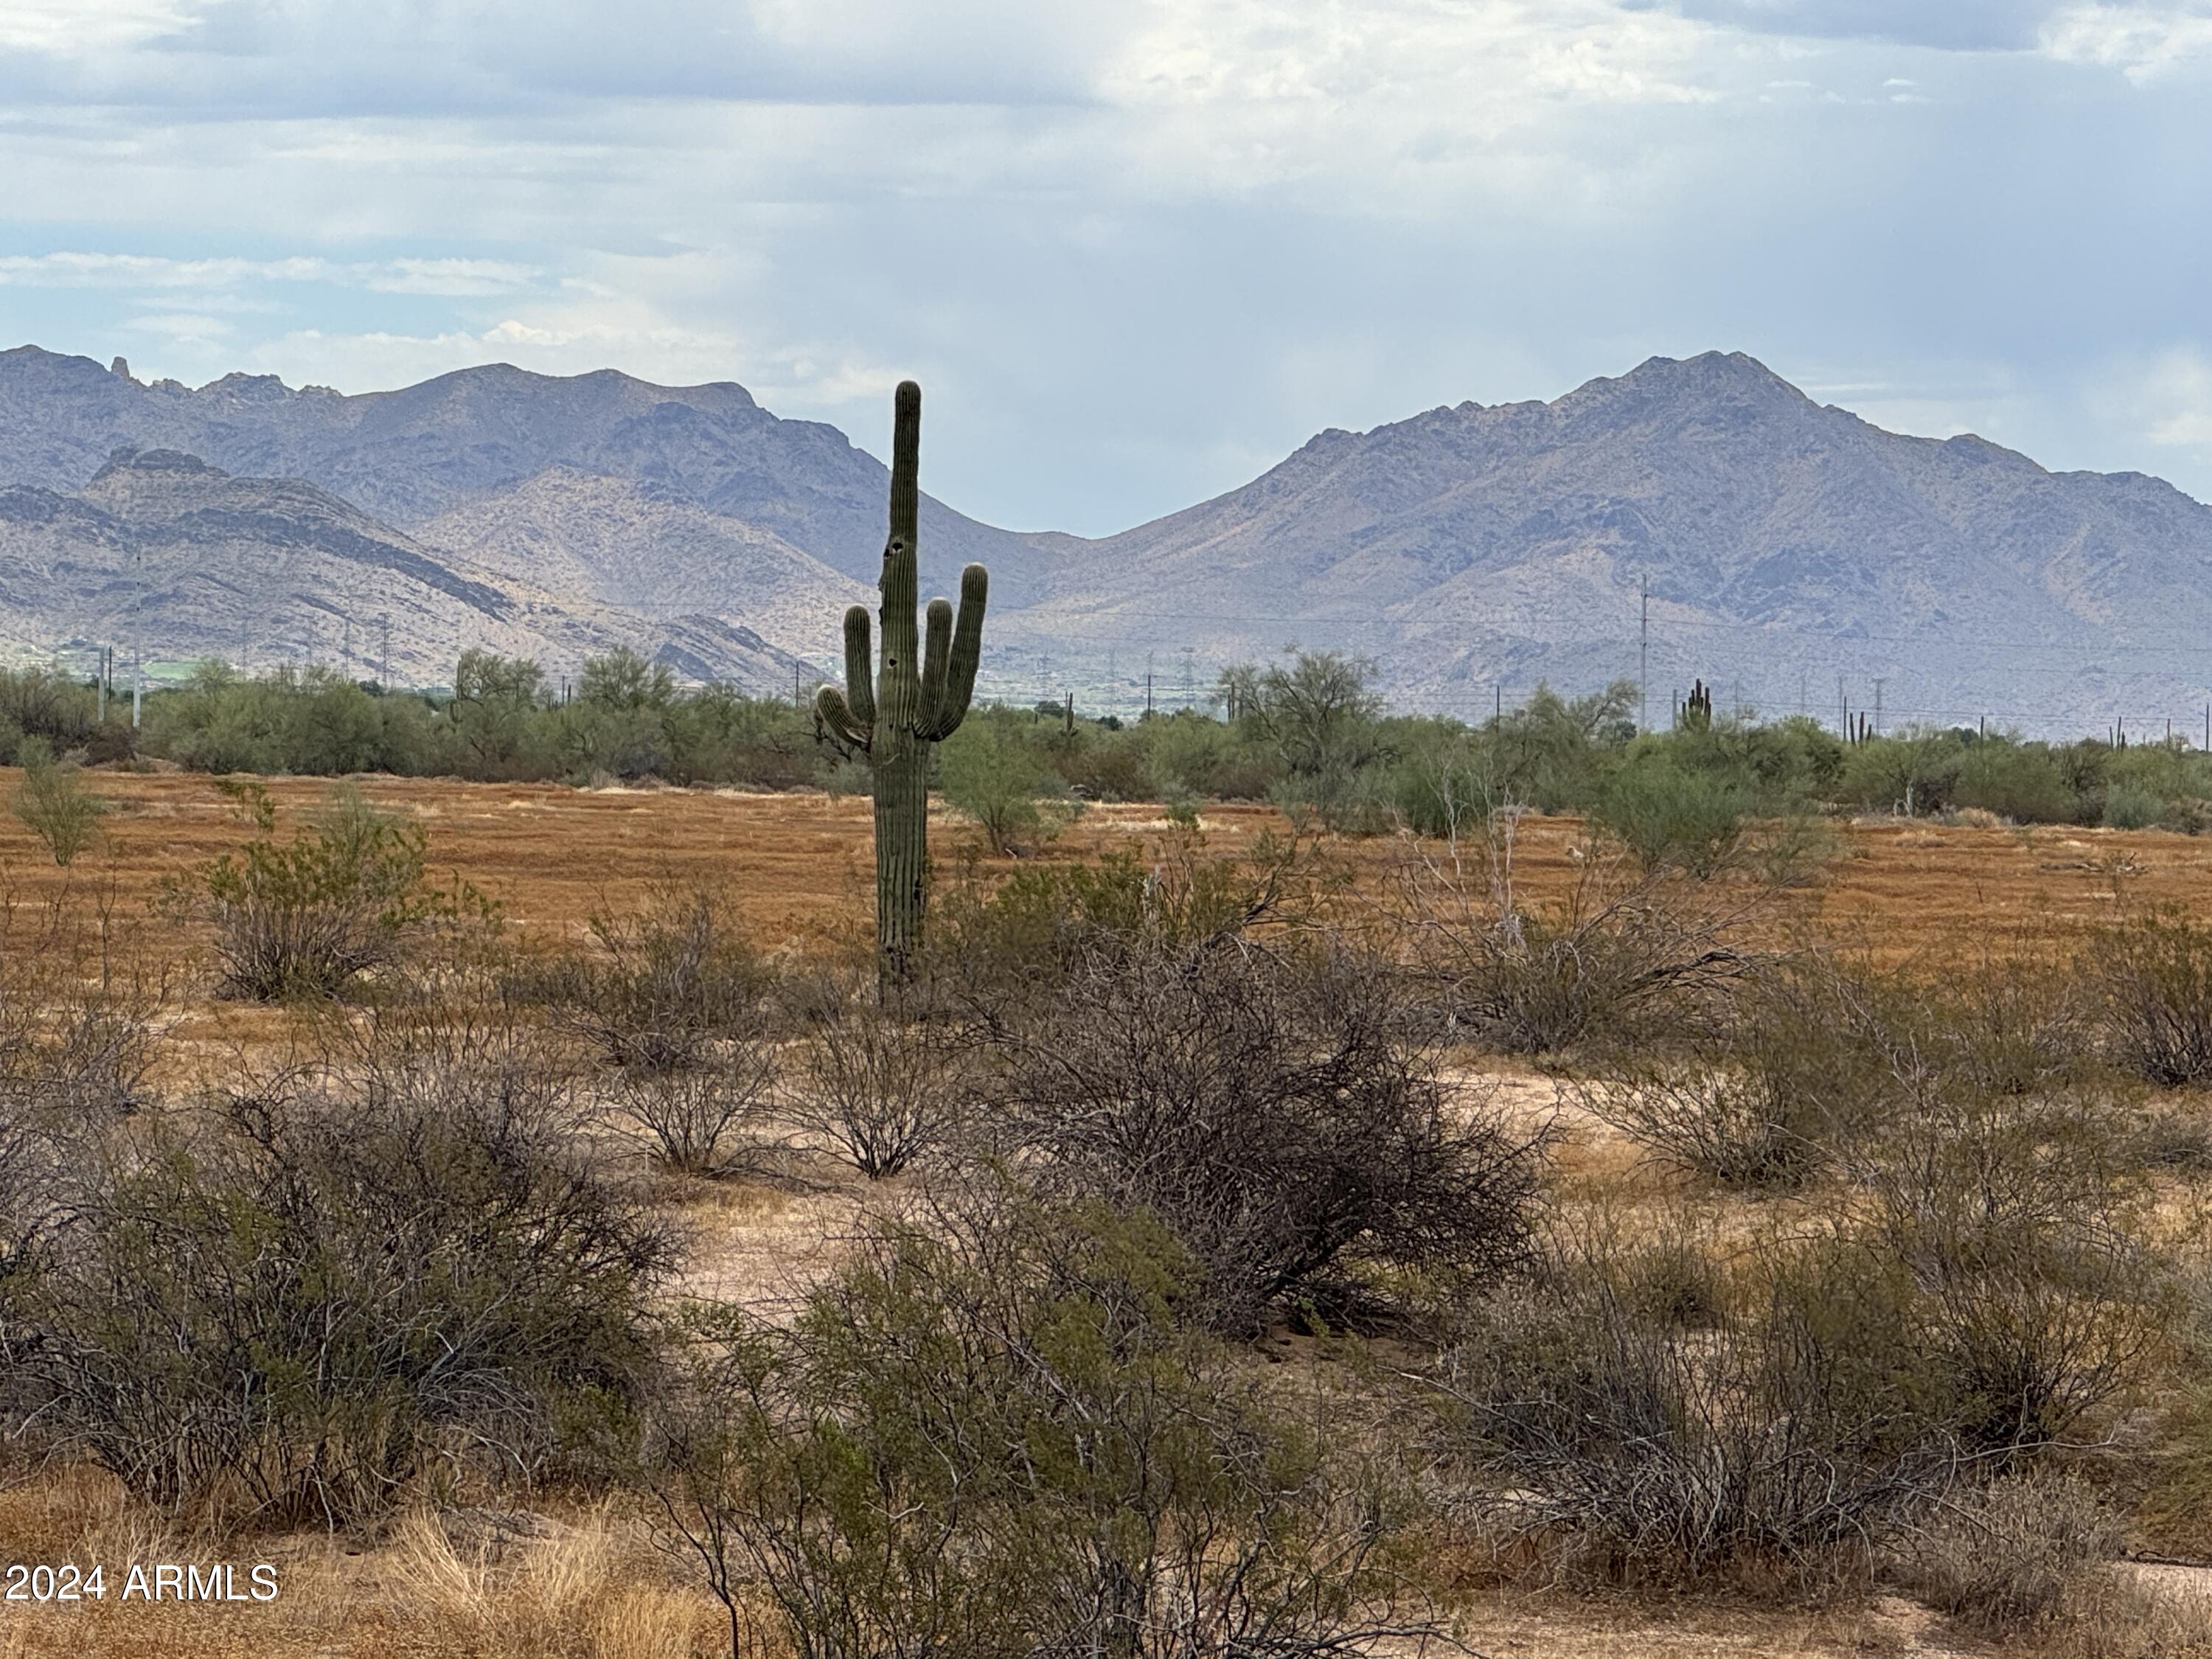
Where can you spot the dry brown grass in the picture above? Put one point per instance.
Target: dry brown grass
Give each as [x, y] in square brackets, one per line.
[798, 867]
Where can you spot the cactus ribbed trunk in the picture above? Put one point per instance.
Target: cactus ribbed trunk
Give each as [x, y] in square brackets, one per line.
[902, 857]
[914, 700]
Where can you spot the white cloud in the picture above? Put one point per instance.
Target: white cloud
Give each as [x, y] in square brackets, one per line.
[2168, 398]
[2143, 42]
[452, 278]
[75, 27]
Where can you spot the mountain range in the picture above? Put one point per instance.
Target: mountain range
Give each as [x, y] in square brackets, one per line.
[1471, 550]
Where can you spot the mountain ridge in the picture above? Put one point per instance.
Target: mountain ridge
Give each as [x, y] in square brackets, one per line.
[1471, 549]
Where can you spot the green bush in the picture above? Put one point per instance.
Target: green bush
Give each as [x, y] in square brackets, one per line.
[2021, 783]
[307, 1300]
[1671, 816]
[990, 773]
[54, 803]
[2129, 808]
[995, 1437]
[307, 917]
[2156, 968]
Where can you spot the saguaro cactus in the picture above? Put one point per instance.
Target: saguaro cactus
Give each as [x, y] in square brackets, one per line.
[916, 699]
[1697, 710]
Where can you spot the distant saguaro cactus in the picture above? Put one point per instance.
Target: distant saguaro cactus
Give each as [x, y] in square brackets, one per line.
[918, 697]
[1697, 711]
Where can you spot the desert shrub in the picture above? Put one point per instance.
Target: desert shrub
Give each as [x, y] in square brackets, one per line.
[38, 702]
[1740, 1124]
[881, 1088]
[1816, 1055]
[1000, 1440]
[2127, 807]
[78, 1008]
[307, 917]
[692, 1118]
[2018, 1553]
[991, 775]
[1265, 1112]
[2022, 1229]
[1018, 940]
[1785, 1430]
[2157, 972]
[54, 803]
[1988, 1298]
[304, 1301]
[2013, 782]
[664, 986]
[1670, 815]
[1605, 964]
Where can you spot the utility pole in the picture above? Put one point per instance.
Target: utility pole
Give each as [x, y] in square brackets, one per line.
[1877, 706]
[1148, 691]
[1497, 703]
[102, 673]
[1189, 679]
[1802, 679]
[384, 667]
[1644, 663]
[1843, 710]
[345, 667]
[137, 683]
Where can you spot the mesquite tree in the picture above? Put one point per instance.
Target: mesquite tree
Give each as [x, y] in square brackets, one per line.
[917, 699]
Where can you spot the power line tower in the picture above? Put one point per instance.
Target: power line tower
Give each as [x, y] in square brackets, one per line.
[1644, 663]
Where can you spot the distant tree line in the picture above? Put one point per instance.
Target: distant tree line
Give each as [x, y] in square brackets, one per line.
[1310, 733]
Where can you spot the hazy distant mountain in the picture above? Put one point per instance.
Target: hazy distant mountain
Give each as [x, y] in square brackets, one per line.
[1784, 544]
[644, 548]
[160, 551]
[410, 455]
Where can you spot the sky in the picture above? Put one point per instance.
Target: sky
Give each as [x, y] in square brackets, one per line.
[1136, 251]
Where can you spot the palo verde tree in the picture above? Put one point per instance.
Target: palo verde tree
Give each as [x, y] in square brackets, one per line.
[917, 699]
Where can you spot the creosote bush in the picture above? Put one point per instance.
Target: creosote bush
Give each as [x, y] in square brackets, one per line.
[307, 917]
[662, 988]
[694, 1120]
[883, 1089]
[1267, 1112]
[54, 803]
[2157, 972]
[1985, 1298]
[1780, 1430]
[994, 1435]
[295, 1304]
[1612, 962]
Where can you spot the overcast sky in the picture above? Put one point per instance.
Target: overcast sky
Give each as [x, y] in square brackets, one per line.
[1138, 249]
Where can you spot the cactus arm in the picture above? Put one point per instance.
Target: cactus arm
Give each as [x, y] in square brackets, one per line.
[936, 652]
[898, 687]
[859, 670]
[833, 712]
[967, 653]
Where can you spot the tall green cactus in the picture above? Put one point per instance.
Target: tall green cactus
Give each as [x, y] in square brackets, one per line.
[918, 699]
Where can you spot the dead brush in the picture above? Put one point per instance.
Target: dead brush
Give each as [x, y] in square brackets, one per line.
[882, 1088]
[2013, 1555]
[2156, 973]
[1616, 958]
[660, 988]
